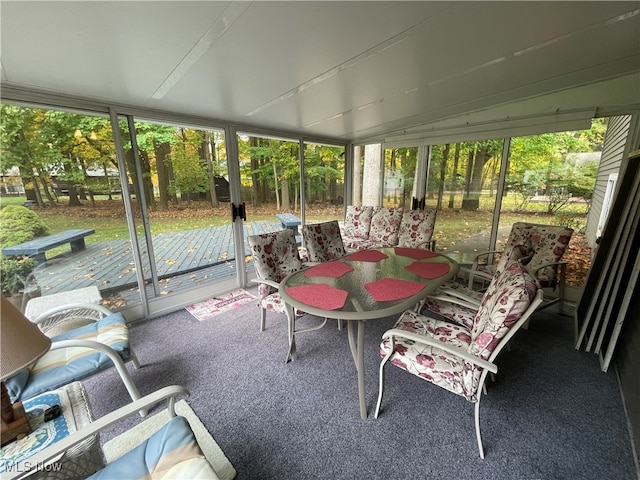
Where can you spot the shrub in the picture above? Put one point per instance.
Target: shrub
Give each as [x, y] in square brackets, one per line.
[19, 224]
[15, 271]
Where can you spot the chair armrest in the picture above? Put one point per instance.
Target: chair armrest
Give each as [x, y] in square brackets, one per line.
[457, 298]
[271, 283]
[434, 342]
[477, 258]
[552, 264]
[475, 273]
[429, 245]
[56, 450]
[102, 311]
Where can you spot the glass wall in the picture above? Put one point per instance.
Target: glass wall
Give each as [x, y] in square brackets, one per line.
[181, 173]
[399, 177]
[67, 165]
[324, 173]
[462, 185]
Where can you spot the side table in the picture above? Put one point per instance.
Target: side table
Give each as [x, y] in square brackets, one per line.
[79, 462]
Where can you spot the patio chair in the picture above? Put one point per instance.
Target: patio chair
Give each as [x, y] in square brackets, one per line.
[455, 357]
[544, 245]
[357, 222]
[322, 241]
[275, 255]
[171, 452]
[416, 229]
[458, 303]
[78, 353]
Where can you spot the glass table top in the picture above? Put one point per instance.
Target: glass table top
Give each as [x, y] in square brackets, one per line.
[364, 280]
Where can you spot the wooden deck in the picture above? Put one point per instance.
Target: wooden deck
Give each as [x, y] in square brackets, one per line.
[183, 259]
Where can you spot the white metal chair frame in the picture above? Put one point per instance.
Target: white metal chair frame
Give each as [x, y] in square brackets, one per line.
[488, 365]
[89, 312]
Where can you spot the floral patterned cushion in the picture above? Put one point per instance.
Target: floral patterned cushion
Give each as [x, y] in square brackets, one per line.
[274, 302]
[451, 311]
[549, 244]
[323, 241]
[506, 299]
[357, 222]
[433, 364]
[416, 227]
[385, 226]
[543, 243]
[275, 255]
[461, 315]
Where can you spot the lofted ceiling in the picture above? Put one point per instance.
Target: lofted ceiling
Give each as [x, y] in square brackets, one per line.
[331, 69]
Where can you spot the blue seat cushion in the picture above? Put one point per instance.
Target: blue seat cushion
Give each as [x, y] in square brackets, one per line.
[61, 367]
[171, 452]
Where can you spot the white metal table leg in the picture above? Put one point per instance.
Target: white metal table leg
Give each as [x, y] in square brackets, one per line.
[357, 351]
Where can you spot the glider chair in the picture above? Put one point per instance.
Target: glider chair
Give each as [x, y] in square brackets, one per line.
[455, 357]
[171, 452]
[323, 241]
[78, 353]
[416, 229]
[542, 246]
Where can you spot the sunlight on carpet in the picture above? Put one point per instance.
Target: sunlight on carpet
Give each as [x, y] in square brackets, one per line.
[217, 305]
[133, 437]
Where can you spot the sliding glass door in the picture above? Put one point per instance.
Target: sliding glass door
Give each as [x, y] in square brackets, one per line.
[180, 207]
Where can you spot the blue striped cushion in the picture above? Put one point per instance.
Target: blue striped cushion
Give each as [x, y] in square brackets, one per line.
[61, 367]
[171, 452]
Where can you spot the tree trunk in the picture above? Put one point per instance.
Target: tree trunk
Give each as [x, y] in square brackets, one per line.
[443, 170]
[146, 179]
[255, 187]
[162, 151]
[275, 179]
[357, 177]
[74, 201]
[286, 202]
[454, 178]
[209, 154]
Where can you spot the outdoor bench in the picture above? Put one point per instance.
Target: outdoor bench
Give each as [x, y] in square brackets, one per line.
[289, 220]
[37, 247]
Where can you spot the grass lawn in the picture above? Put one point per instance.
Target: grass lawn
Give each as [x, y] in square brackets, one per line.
[108, 218]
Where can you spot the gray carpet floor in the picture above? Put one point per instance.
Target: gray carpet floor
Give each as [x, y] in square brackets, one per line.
[550, 414]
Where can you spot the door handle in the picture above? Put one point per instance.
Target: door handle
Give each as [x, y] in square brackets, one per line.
[238, 211]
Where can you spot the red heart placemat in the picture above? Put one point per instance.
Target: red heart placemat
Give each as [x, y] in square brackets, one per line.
[389, 289]
[319, 295]
[329, 269]
[367, 256]
[429, 270]
[416, 253]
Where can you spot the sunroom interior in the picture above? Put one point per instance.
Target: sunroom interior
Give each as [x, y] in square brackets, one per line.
[371, 103]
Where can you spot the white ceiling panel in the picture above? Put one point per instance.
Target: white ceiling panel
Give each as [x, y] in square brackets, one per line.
[326, 68]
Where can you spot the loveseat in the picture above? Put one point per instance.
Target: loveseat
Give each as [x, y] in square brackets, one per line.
[371, 227]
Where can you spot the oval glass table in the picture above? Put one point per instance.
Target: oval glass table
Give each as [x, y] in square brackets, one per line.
[364, 286]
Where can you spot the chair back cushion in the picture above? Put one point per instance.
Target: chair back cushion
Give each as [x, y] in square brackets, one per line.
[385, 226]
[275, 255]
[59, 367]
[546, 244]
[171, 452]
[323, 241]
[416, 227]
[506, 299]
[357, 221]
